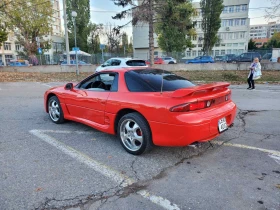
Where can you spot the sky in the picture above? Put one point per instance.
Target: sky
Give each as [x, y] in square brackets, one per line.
[101, 11]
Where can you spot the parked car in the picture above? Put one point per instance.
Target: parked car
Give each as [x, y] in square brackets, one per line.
[201, 59]
[229, 57]
[73, 62]
[247, 57]
[144, 107]
[19, 63]
[220, 58]
[169, 60]
[115, 63]
[267, 56]
[156, 61]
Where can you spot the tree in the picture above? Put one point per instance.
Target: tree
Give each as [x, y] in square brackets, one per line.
[273, 11]
[172, 31]
[252, 45]
[94, 37]
[211, 22]
[274, 41]
[113, 38]
[3, 34]
[29, 20]
[143, 12]
[82, 7]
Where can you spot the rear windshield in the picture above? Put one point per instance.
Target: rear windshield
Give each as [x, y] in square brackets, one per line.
[150, 80]
[136, 63]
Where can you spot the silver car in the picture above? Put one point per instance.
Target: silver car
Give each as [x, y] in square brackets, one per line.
[169, 60]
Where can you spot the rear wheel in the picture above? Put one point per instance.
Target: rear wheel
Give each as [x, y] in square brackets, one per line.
[55, 111]
[171, 62]
[134, 134]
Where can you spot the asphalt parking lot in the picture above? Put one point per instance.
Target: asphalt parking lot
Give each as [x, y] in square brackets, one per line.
[71, 166]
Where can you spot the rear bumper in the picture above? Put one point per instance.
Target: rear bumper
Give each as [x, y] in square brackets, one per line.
[201, 127]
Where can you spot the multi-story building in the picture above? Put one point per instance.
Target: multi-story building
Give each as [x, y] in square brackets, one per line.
[262, 31]
[10, 48]
[233, 33]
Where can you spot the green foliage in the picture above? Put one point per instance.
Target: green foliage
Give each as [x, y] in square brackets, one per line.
[211, 22]
[82, 7]
[3, 34]
[94, 38]
[252, 45]
[28, 19]
[172, 31]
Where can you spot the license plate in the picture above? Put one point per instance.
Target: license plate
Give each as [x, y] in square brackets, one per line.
[222, 125]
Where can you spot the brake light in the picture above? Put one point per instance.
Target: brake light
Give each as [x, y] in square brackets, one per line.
[189, 107]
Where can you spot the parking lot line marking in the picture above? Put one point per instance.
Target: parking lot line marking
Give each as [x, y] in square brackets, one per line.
[68, 132]
[273, 152]
[276, 158]
[110, 173]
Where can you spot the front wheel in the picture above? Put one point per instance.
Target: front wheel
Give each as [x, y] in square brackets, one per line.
[55, 111]
[134, 134]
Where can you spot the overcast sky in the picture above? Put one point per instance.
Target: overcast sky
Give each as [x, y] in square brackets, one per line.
[103, 10]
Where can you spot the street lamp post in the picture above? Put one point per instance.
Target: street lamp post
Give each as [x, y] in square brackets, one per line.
[74, 15]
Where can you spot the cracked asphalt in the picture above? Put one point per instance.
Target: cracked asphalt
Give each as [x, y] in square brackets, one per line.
[239, 170]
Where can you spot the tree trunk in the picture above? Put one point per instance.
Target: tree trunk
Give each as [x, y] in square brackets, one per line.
[151, 33]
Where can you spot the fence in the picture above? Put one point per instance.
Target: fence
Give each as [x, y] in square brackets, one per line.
[181, 57]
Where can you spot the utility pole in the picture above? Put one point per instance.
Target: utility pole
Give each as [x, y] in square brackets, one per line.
[66, 32]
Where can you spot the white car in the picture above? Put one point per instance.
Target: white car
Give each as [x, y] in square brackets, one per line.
[169, 60]
[114, 63]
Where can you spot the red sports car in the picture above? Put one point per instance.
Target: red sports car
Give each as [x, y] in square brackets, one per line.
[145, 107]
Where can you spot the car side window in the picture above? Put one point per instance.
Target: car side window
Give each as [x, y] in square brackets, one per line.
[108, 62]
[116, 62]
[100, 82]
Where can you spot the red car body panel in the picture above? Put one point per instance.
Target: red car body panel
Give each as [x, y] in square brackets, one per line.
[156, 61]
[99, 110]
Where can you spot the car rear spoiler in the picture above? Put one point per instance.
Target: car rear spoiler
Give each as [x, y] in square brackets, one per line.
[207, 88]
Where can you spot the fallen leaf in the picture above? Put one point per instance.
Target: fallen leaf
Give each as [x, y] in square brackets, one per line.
[38, 189]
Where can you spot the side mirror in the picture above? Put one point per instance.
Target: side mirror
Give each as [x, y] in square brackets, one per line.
[69, 86]
[103, 65]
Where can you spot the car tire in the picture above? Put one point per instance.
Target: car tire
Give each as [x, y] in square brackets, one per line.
[55, 110]
[134, 134]
[171, 62]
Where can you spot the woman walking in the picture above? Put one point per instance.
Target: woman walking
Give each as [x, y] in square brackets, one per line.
[255, 73]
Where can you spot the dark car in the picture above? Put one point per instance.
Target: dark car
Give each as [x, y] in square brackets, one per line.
[220, 58]
[247, 57]
[229, 57]
[201, 59]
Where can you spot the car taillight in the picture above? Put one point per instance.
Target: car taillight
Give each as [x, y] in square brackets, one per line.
[190, 106]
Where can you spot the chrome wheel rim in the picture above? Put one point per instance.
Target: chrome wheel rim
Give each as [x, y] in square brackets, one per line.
[54, 110]
[131, 135]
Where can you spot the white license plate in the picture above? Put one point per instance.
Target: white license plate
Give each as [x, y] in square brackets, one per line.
[222, 124]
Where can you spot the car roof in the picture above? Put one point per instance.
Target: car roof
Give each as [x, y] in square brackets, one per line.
[126, 59]
[125, 69]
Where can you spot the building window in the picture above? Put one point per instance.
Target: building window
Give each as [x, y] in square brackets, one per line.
[200, 53]
[240, 51]
[243, 21]
[7, 46]
[217, 45]
[235, 44]
[194, 38]
[234, 51]
[237, 22]
[193, 53]
[199, 45]
[230, 35]
[231, 9]
[18, 46]
[224, 23]
[241, 44]
[229, 44]
[223, 52]
[8, 58]
[230, 22]
[242, 35]
[223, 45]
[228, 51]
[188, 54]
[237, 8]
[244, 7]
[217, 52]
[225, 10]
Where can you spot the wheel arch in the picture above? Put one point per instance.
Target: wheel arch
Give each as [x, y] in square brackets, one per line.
[47, 100]
[123, 112]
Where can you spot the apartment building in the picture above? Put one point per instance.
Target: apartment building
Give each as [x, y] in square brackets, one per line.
[263, 31]
[233, 33]
[10, 48]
